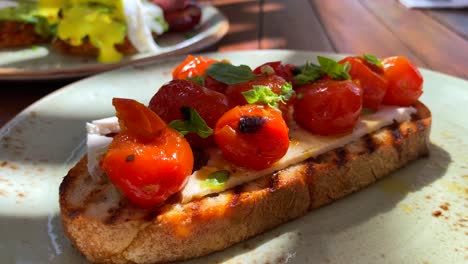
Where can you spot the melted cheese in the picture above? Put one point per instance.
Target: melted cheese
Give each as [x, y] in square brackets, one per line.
[303, 145]
[97, 143]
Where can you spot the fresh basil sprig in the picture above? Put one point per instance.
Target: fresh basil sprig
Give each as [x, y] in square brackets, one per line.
[336, 70]
[200, 80]
[230, 74]
[311, 72]
[192, 123]
[308, 73]
[261, 94]
[372, 59]
[216, 179]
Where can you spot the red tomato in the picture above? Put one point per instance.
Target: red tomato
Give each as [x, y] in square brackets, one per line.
[183, 19]
[404, 81]
[234, 92]
[148, 161]
[252, 136]
[172, 96]
[192, 66]
[275, 82]
[283, 70]
[328, 107]
[215, 85]
[374, 85]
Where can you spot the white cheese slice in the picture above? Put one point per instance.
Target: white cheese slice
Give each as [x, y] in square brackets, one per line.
[303, 145]
[97, 143]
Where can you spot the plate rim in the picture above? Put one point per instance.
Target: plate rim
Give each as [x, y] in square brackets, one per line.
[20, 75]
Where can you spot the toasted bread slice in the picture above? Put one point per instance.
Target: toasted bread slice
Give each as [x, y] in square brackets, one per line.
[107, 229]
[19, 34]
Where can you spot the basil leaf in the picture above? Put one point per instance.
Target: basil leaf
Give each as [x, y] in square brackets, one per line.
[193, 123]
[308, 73]
[230, 74]
[216, 179]
[261, 94]
[334, 69]
[372, 59]
[200, 80]
[286, 92]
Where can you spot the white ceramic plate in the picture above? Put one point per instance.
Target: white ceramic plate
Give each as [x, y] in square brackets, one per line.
[43, 63]
[390, 222]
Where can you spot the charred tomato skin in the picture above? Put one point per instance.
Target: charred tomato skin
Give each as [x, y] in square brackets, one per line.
[252, 136]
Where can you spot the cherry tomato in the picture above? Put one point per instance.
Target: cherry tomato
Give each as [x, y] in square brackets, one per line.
[328, 107]
[183, 19]
[234, 92]
[192, 66]
[283, 70]
[215, 85]
[148, 161]
[172, 96]
[404, 81]
[275, 82]
[374, 85]
[252, 136]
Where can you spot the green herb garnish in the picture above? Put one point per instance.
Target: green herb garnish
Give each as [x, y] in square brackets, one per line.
[372, 59]
[367, 111]
[200, 80]
[336, 70]
[261, 94]
[308, 73]
[230, 74]
[216, 179]
[192, 123]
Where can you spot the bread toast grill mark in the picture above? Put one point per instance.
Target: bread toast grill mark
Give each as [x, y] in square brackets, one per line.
[181, 231]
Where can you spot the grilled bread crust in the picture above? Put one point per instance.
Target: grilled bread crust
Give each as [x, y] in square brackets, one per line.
[18, 34]
[107, 229]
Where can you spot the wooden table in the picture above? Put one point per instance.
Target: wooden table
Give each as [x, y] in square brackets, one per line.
[433, 39]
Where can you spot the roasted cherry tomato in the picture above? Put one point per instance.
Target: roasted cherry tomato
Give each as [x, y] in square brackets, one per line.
[192, 66]
[374, 85]
[148, 161]
[275, 82]
[252, 136]
[404, 81]
[183, 19]
[328, 107]
[234, 92]
[283, 70]
[172, 96]
[215, 85]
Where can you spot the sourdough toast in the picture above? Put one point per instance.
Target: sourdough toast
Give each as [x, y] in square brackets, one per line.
[107, 229]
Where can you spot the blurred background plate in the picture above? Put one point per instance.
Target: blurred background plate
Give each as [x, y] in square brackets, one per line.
[43, 63]
[416, 215]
